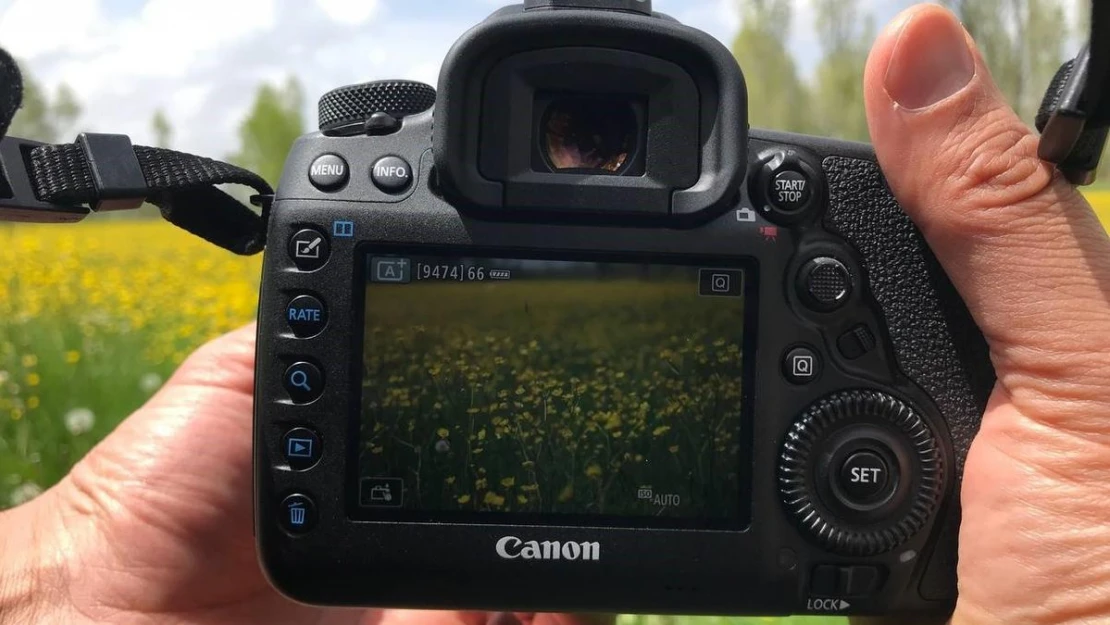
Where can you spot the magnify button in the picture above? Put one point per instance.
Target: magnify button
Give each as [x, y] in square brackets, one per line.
[304, 382]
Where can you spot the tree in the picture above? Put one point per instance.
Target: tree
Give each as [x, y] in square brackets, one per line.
[777, 97]
[267, 133]
[161, 129]
[845, 37]
[42, 118]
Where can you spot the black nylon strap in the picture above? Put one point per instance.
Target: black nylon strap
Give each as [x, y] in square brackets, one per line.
[1074, 117]
[11, 91]
[181, 185]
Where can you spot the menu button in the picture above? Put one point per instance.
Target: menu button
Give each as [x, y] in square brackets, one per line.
[329, 172]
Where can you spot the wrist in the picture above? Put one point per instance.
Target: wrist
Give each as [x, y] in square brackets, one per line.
[31, 565]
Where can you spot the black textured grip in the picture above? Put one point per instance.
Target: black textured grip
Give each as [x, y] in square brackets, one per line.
[356, 103]
[936, 342]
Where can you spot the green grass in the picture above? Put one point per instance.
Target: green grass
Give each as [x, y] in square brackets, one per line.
[629, 619]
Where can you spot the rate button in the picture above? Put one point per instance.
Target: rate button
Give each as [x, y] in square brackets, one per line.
[306, 316]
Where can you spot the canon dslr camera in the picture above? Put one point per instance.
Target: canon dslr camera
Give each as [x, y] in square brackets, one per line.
[566, 336]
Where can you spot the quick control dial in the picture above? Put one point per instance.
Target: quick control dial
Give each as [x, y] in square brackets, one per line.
[373, 107]
[862, 472]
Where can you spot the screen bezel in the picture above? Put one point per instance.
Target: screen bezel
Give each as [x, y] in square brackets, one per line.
[741, 520]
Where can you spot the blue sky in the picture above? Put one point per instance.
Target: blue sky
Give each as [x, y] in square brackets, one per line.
[201, 60]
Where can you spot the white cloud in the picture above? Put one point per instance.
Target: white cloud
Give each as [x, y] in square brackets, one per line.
[349, 11]
[23, 25]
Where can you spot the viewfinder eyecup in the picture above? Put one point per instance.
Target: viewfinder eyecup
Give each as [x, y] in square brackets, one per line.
[632, 6]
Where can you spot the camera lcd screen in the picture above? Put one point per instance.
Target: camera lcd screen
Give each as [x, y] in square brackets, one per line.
[518, 390]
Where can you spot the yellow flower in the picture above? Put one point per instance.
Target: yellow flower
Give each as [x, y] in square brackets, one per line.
[464, 499]
[450, 480]
[443, 432]
[30, 360]
[508, 482]
[521, 499]
[593, 471]
[493, 499]
[567, 493]
[32, 402]
[73, 357]
[482, 434]
[33, 379]
[661, 430]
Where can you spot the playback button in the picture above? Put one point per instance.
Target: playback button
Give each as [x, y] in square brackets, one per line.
[302, 449]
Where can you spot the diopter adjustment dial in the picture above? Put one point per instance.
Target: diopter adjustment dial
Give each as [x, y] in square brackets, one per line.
[347, 110]
[861, 472]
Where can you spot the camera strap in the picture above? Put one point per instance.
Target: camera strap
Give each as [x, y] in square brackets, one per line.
[99, 172]
[1074, 118]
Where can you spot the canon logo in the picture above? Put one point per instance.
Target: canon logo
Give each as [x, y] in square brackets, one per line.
[511, 548]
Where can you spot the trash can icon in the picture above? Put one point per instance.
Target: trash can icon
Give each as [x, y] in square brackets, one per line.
[296, 514]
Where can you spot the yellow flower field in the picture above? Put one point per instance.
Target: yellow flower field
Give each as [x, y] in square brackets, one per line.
[95, 316]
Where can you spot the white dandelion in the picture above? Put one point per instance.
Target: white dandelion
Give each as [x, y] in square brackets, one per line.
[79, 420]
[150, 382]
[25, 492]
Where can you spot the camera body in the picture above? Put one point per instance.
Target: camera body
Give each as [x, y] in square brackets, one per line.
[577, 340]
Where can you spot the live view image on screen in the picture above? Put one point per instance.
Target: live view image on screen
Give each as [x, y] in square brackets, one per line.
[535, 388]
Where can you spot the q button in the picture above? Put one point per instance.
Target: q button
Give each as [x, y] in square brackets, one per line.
[304, 382]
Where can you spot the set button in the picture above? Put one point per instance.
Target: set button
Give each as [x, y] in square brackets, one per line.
[304, 382]
[864, 477]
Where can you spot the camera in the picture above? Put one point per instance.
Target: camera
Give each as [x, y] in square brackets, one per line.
[564, 334]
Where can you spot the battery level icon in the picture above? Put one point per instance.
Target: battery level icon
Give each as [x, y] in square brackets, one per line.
[500, 274]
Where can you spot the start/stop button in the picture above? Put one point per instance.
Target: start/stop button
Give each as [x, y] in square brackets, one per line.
[787, 186]
[789, 190]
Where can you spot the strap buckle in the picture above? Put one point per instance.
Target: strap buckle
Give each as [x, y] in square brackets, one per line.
[117, 176]
[18, 201]
[1074, 119]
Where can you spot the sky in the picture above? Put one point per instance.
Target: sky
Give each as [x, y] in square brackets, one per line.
[202, 60]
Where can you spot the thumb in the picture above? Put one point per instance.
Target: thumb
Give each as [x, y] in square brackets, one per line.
[1022, 246]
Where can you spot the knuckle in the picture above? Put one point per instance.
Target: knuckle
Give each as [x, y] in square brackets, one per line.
[992, 176]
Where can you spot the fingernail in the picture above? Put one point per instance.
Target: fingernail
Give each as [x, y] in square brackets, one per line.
[502, 618]
[931, 61]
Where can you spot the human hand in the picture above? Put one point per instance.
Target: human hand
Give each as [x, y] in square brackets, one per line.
[1032, 262]
[154, 525]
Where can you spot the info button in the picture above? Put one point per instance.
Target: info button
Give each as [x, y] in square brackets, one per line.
[306, 316]
[392, 174]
